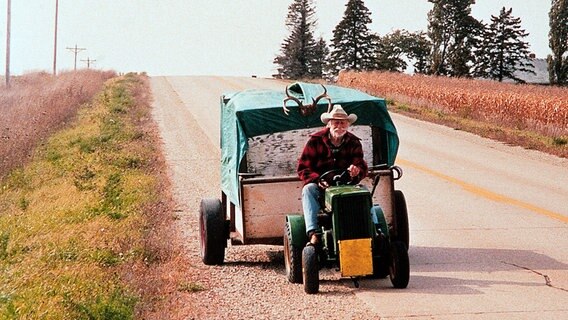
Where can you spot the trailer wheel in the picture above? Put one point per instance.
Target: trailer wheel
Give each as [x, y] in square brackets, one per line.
[292, 257]
[212, 231]
[399, 265]
[402, 232]
[310, 270]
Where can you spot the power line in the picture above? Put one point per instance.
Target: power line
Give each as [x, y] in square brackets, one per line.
[76, 50]
[89, 61]
[55, 39]
[8, 19]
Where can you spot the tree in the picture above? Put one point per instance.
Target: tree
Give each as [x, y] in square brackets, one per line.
[298, 49]
[396, 48]
[418, 47]
[558, 42]
[389, 51]
[452, 31]
[503, 52]
[318, 67]
[352, 45]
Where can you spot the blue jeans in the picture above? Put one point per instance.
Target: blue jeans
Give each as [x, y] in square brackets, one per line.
[311, 197]
[311, 204]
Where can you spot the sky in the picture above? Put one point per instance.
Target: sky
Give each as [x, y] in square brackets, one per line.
[203, 37]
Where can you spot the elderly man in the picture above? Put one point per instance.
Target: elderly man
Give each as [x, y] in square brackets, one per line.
[333, 147]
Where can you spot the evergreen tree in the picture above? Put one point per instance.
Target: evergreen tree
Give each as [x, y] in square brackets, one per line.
[352, 46]
[558, 42]
[503, 52]
[452, 31]
[318, 67]
[299, 47]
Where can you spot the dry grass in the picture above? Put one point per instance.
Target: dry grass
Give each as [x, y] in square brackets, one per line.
[38, 104]
[531, 116]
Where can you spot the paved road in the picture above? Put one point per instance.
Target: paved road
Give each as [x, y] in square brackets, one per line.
[489, 222]
[489, 229]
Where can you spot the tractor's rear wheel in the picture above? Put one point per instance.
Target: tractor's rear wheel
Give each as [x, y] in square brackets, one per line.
[292, 257]
[399, 265]
[380, 258]
[213, 239]
[402, 232]
[310, 270]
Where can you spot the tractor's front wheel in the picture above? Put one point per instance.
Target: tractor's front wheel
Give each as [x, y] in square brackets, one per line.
[399, 265]
[310, 270]
[380, 267]
[213, 239]
[292, 257]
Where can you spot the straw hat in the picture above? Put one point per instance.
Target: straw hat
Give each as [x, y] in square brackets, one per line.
[338, 113]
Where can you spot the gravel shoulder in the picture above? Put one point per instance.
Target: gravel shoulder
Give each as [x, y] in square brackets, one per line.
[252, 283]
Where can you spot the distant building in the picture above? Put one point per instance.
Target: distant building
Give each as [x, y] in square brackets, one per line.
[540, 69]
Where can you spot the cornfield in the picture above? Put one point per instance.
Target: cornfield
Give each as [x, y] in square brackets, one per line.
[526, 107]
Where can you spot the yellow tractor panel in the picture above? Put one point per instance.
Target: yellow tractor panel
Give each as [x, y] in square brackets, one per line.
[355, 257]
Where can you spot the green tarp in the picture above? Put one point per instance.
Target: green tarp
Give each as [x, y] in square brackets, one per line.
[252, 113]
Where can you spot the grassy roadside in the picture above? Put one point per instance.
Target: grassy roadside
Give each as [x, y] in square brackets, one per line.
[84, 225]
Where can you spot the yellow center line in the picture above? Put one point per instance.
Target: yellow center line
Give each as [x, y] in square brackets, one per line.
[484, 192]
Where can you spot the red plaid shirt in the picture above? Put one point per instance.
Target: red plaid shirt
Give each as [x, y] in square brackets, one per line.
[318, 158]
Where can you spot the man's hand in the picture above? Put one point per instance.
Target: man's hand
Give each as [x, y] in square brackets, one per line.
[353, 171]
[323, 184]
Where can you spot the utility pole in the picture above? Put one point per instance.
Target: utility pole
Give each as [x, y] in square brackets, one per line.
[75, 50]
[89, 61]
[8, 18]
[55, 39]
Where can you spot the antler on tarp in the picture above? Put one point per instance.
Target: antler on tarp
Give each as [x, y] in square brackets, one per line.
[306, 110]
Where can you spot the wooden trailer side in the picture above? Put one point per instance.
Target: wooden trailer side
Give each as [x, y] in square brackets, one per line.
[271, 189]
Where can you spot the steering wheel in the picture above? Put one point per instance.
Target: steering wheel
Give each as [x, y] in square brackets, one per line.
[336, 177]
